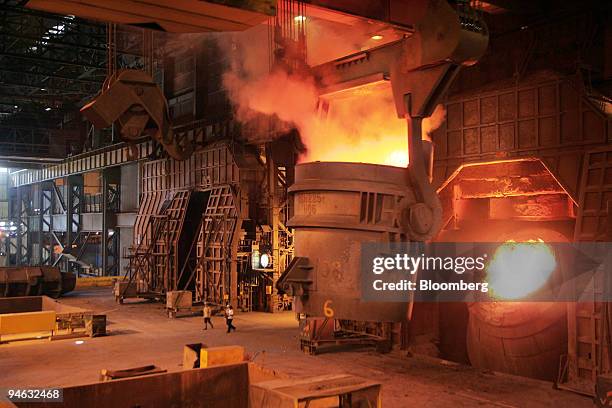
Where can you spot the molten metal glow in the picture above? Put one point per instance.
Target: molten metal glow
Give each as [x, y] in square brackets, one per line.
[363, 129]
[350, 125]
[520, 268]
[397, 158]
[383, 150]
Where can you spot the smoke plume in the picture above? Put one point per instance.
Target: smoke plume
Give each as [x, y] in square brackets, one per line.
[359, 127]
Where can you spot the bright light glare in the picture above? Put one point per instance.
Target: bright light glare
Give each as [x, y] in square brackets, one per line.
[299, 19]
[520, 268]
[57, 29]
[398, 158]
[264, 260]
[79, 342]
[377, 37]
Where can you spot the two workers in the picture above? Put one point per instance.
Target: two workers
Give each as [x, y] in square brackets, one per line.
[229, 317]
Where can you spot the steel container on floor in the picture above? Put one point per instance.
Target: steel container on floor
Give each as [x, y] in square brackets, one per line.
[337, 208]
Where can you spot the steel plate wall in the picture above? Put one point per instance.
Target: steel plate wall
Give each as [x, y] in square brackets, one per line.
[162, 178]
[548, 118]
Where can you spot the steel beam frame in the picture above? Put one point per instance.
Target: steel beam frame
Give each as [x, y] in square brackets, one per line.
[111, 156]
[111, 179]
[52, 61]
[46, 201]
[118, 154]
[23, 246]
[13, 216]
[74, 208]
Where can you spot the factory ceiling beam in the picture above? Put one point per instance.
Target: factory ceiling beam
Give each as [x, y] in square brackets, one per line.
[54, 41]
[67, 33]
[36, 35]
[35, 98]
[29, 128]
[48, 64]
[50, 85]
[514, 6]
[57, 75]
[41, 58]
[18, 8]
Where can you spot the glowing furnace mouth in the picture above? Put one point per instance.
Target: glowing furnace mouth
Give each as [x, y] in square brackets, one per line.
[519, 269]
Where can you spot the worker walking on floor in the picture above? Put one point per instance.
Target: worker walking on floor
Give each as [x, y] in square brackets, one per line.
[229, 318]
[207, 313]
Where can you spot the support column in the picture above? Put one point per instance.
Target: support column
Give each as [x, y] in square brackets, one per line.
[24, 239]
[45, 222]
[73, 190]
[274, 220]
[74, 208]
[111, 179]
[12, 237]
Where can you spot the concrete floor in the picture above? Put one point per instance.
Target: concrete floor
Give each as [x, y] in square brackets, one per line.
[140, 334]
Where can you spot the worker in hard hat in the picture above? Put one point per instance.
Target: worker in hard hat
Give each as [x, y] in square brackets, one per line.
[229, 318]
[207, 312]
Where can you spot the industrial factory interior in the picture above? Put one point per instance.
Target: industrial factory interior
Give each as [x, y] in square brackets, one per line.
[305, 203]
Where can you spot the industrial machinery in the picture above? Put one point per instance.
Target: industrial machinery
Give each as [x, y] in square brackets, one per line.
[131, 99]
[508, 201]
[339, 206]
[134, 103]
[35, 281]
[532, 334]
[188, 233]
